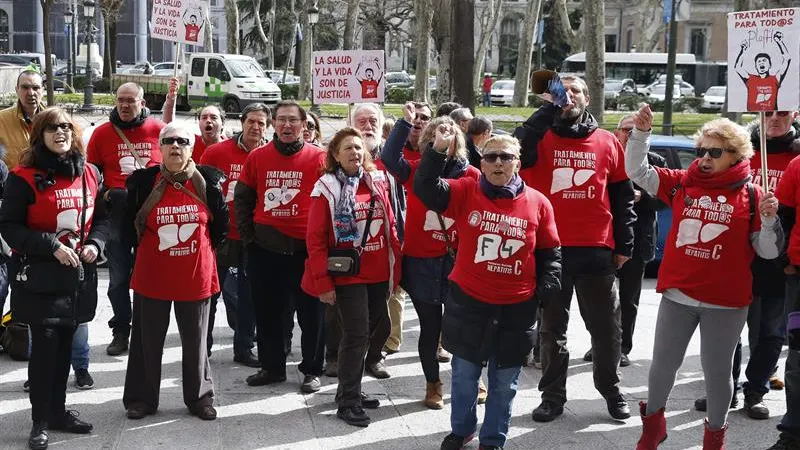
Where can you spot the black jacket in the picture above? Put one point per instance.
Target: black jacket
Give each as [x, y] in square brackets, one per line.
[645, 230]
[140, 183]
[32, 308]
[582, 260]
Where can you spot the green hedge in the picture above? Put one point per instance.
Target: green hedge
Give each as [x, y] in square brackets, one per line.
[289, 91]
[631, 103]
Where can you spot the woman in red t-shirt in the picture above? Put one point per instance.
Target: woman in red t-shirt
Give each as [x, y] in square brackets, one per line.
[720, 221]
[508, 261]
[350, 209]
[177, 215]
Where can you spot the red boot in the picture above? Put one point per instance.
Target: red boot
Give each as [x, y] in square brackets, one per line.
[654, 429]
[714, 439]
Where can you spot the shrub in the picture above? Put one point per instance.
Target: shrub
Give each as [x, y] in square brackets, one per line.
[399, 95]
[289, 91]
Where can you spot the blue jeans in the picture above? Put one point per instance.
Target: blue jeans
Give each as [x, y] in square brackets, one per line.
[790, 423]
[487, 99]
[464, 399]
[238, 309]
[120, 263]
[766, 323]
[80, 347]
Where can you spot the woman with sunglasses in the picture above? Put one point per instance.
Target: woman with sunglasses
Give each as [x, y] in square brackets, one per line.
[53, 220]
[720, 222]
[430, 240]
[508, 261]
[312, 133]
[175, 217]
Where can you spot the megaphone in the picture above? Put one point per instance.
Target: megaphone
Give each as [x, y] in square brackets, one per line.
[540, 79]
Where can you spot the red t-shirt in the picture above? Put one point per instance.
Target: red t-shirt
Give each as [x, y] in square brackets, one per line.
[108, 152]
[192, 32]
[776, 165]
[176, 245]
[369, 89]
[762, 93]
[58, 208]
[487, 85]
[410, 154]
[708, 252]
[423, 233]
[228, 157]
[574, 175]
[495, 262]
[788, 193]
[283, 185]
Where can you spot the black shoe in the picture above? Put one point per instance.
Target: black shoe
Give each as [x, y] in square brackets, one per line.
[248, 359]
[353, 415]
[547, 411]
[754, 406]
[118, 345]
[205, 412]
[26, 386]
[700, 403]
[69, 422]
[83, 380]
[369, 402]
[310, 384]
[38, 438]
[624, 361]
[139, 411]
[618, 407]
[332, 369]
[263, 378]
[378, 370]
[588, 356]
[455, 442]
[786, 443]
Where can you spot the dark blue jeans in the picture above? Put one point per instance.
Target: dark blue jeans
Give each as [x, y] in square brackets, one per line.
[464, 398]
[766, 335]
[238, 309]
[120, 263]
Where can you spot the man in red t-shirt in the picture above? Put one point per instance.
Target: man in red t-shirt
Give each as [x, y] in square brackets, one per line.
[192, 28]
[486, 88]
[369, 85]
[762, 87]
[581, 169]
[128, 141]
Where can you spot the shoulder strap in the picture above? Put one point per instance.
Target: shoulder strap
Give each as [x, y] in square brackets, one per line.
[751, 193]
[371, 211]
[674, 191]
[450, 250]
[130, 146]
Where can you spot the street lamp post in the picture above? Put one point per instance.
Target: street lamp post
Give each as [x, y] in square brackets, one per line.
[313, 18]
[88, 92]
[68, 16]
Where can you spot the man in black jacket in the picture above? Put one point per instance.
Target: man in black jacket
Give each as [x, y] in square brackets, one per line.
[580, 167]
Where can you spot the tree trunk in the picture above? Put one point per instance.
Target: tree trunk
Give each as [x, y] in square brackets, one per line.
[350, 24]
[259, 26]
[463, 55]
[442, 38]
[422, 9]
[594, 19]
[271, 24]
[46, 6]
[489, 20]
[232, 25]
[376, 27]
[525, 53]
[563, 26]
[107, 67]
[305, 56]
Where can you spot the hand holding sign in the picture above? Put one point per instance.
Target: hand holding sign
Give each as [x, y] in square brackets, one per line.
[644, 118]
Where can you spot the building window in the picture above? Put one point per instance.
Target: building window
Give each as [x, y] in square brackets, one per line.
[629, 40]
[509, 45]
[611, 43]
[698, 43]
[4, 45]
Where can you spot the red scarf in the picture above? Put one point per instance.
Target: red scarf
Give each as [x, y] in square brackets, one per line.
[731, 178]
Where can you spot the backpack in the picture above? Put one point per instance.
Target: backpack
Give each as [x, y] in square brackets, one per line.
[14, 338]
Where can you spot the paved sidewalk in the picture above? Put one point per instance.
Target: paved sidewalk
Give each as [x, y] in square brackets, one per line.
[279, 417]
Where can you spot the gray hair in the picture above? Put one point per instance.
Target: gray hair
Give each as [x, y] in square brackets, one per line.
[461, 114]
[130, 84]
[178, 128]
[364, 106]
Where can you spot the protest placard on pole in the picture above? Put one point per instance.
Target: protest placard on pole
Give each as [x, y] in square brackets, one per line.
[179, 21]
[348, 76]
[764, 66]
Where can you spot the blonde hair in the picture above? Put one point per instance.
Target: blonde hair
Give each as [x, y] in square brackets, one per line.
[429, 135]
[502, 142]
[733, 136]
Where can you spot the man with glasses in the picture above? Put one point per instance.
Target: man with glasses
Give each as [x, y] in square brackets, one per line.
[581, 169]
[271, 200]
[128, 141]
[16, 120]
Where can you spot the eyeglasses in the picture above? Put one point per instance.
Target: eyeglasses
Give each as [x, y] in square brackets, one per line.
[291, 120]
[172, 140]
[492, 158]
[424, 117]
[311, 126]
[712, 152]
[128, 101]
[52, 127]
[779, 113]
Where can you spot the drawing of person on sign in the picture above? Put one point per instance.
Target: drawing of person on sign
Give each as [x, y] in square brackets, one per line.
[192, 26]
[770, 71]
[369, 82]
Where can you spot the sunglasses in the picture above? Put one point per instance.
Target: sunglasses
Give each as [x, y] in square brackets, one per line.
[52, 127]
[311, 126]
[423, 117]
[492, 158]
[171, 140]
[779, 113]
[712, 152]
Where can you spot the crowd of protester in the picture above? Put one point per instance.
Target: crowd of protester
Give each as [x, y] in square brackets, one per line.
[489, 235]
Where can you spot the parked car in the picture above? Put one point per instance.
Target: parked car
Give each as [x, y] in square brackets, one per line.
[679, 153]
[277, 77]
[398, 80]
[687, 90]
[659, 92]
[616, 88]
[713, 98]
[166, 68]
[136, 69]
[502, 93]
[61, 73]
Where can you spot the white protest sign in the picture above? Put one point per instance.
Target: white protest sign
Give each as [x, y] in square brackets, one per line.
[179, 21]
[763, 58]
[348, 76]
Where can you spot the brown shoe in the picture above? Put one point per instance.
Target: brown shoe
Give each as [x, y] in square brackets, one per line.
[482, 392]
[433, 395]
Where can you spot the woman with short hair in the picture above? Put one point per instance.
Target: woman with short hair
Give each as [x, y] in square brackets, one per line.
[175, 217]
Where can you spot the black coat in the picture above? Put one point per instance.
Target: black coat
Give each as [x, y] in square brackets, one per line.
[31, 308]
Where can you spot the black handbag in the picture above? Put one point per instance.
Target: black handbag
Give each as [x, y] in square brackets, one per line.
[45, 275]
[346, 262]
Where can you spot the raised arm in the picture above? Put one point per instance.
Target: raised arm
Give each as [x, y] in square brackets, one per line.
[168, 110]
[636, 164]
[392, 155]
[785, 60]
[532, 131]
[769, 241]
[428, 184]
[739, 65]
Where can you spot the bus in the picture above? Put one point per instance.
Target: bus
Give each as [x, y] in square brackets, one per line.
[645, 68]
